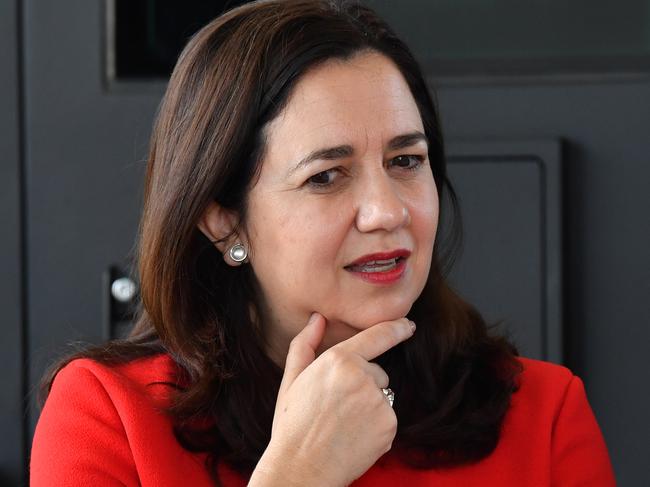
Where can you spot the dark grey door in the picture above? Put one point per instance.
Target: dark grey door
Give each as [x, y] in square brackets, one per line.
[86, 144]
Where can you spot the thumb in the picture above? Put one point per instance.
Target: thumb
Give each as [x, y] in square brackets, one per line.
[302, 350]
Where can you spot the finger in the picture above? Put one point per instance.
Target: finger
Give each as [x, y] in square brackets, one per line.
[374, 341]
[302, 350]
[378, 374]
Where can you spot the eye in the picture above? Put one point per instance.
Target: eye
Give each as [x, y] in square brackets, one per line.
[410, 162]
[323, 178]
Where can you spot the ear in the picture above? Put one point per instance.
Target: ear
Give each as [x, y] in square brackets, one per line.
[218, 225]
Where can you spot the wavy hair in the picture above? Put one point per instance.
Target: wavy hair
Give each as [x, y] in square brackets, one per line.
[454, 378]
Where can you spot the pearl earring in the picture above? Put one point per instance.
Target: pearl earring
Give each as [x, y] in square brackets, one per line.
[238, 253]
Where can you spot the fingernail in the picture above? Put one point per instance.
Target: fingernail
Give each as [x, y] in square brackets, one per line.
[312, 318]
[412, 326]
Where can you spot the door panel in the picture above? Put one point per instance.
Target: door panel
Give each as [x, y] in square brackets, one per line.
[86, 147]
[511, 264]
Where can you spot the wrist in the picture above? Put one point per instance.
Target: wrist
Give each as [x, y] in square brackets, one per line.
[280, 468]
[268, 472]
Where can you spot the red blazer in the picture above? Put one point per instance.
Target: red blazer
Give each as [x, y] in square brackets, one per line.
[101, 426]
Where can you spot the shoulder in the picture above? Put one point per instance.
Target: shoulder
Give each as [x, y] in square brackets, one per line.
[551, 410]
[543, 387]
[542, 376]
[97, 419]
[110, 393]
[147, 377]
[138, 373]
[551, 401]
[545, 368]
[154, 368]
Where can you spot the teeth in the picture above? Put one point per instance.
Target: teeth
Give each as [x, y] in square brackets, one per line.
[379, 262]
[376, 265]
[379, 268]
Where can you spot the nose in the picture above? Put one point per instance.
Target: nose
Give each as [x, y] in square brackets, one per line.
[380, 206]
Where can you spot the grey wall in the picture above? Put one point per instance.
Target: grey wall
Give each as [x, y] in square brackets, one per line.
[606, 128]
[603, 122]
[11, 427]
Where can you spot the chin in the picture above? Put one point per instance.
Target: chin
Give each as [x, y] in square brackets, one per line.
[385, 312]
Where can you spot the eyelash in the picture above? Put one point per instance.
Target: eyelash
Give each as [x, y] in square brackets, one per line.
[418, 163]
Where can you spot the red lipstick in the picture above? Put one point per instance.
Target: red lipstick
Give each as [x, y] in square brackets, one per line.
[380, 267]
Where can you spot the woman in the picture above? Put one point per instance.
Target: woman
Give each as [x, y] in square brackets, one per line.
[287, 250]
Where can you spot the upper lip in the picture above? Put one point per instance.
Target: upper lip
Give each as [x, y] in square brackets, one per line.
[380, 256]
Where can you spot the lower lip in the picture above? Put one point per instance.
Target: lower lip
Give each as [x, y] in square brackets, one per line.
[387, 277]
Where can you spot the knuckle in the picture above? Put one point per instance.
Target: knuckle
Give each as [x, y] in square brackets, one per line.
[293, 344]
[396, 333]
[404, 329]
[390, 426]
[385, 339]
[378, 373]
[389, 447]
[336, 357]
[393, 423]
[385, 378]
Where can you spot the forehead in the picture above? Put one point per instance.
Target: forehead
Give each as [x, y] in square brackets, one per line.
[363, 101]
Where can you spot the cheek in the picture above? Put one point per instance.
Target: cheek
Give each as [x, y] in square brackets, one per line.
[292, 240]
[424, 225]
[429, 219]
[424, 209]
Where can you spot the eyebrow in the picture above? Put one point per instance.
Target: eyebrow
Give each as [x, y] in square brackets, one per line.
[407, 140]
[342, 151]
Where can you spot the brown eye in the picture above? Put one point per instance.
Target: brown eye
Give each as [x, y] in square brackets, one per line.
[322, 179]
[408, 161]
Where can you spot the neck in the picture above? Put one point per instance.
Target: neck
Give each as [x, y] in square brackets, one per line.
[278, 338]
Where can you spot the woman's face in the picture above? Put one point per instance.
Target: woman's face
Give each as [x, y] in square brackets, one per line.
[345, 175]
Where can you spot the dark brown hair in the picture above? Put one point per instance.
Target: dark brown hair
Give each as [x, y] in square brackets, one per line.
[454, 379]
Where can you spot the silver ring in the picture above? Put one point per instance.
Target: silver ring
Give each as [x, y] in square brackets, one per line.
[390, 395]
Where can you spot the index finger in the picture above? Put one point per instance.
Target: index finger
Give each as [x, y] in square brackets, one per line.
[374, 341]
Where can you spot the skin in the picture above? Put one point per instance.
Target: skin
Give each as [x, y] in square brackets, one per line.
[304, 225]
[300, 233]
[321, 434]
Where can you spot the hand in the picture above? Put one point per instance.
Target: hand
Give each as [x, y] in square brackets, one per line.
[332, 422]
